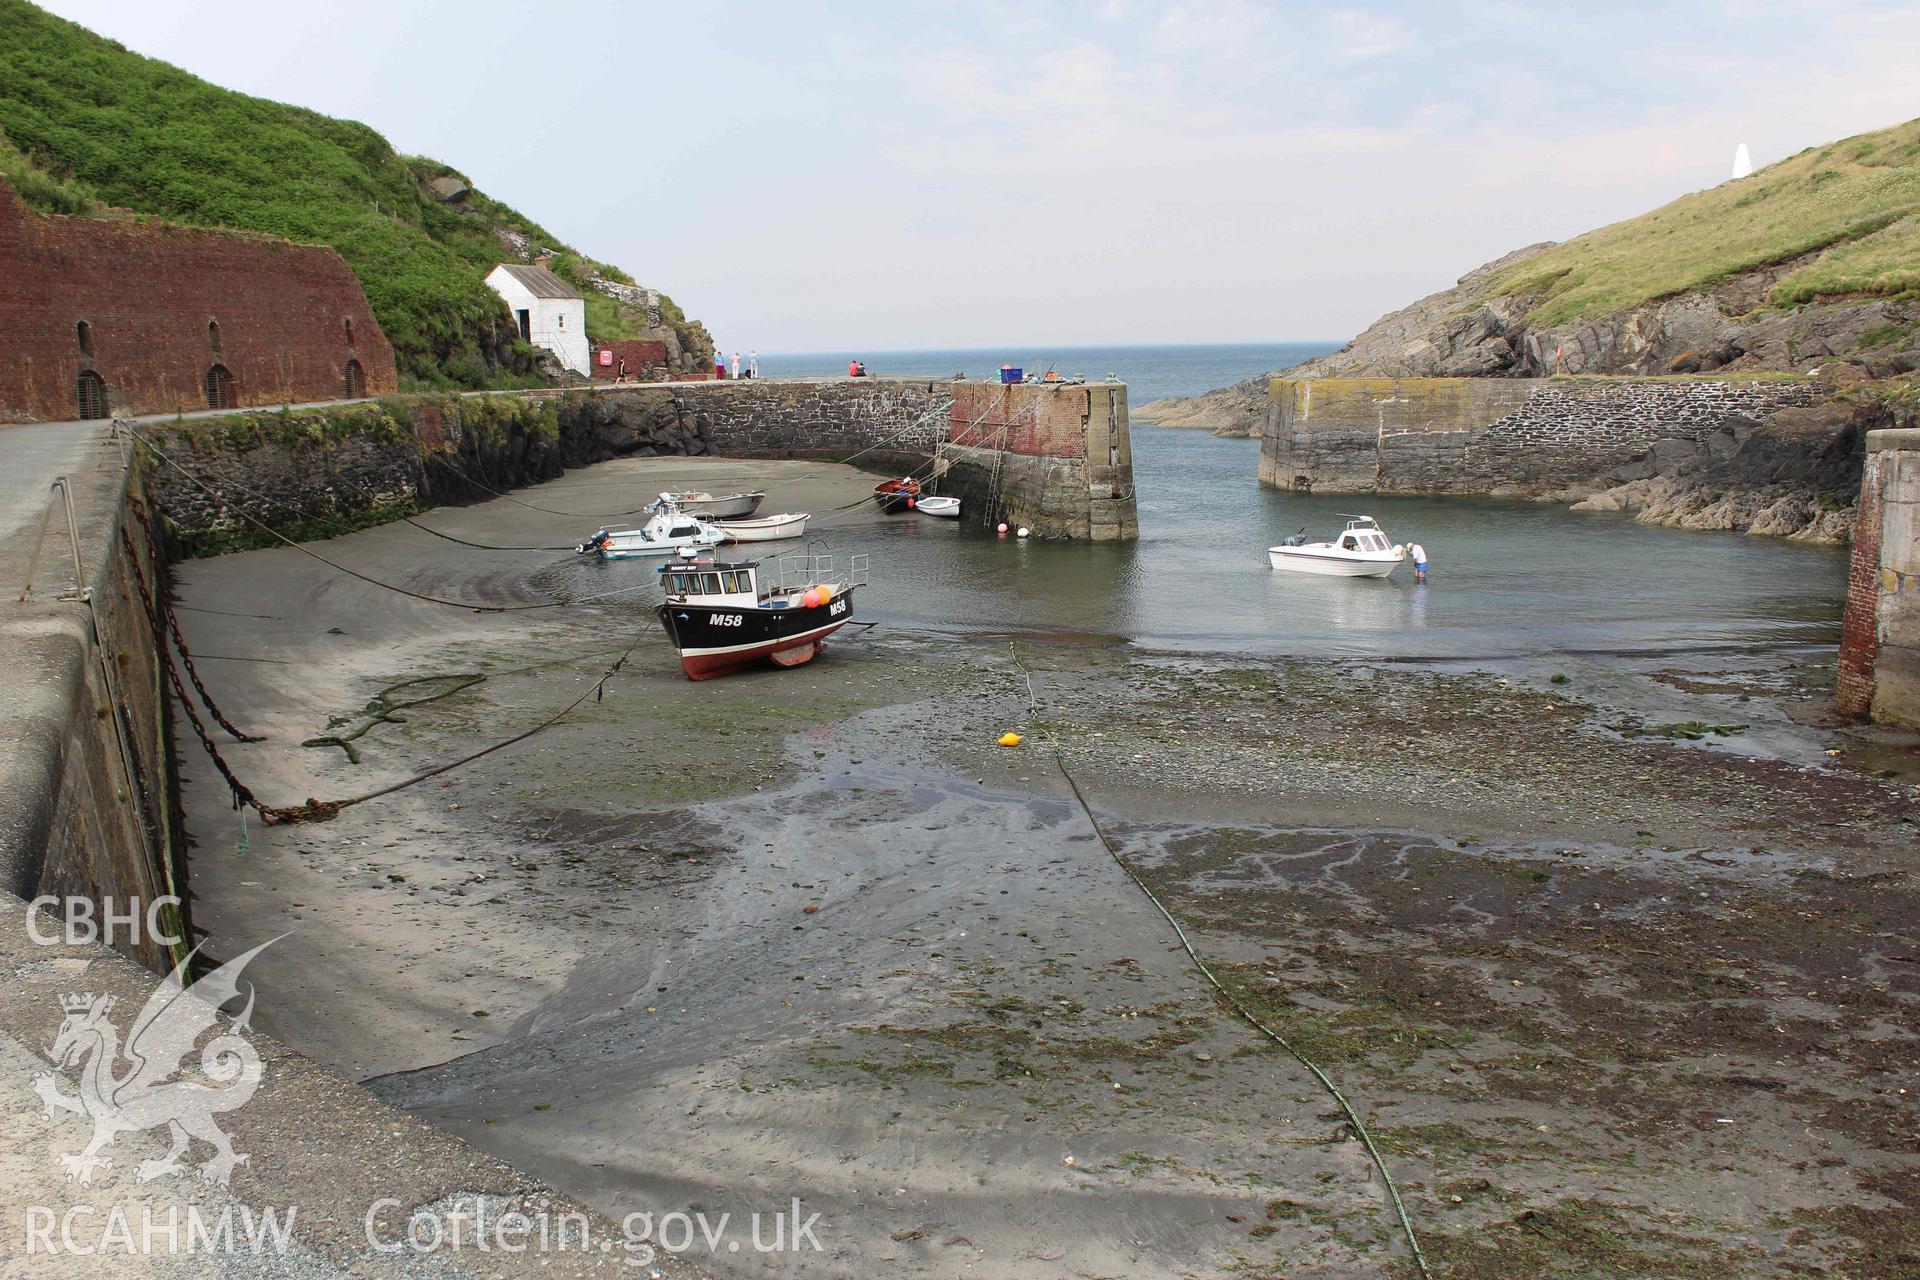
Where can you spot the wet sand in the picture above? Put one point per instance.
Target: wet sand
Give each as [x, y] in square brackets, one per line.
[1614, 1001]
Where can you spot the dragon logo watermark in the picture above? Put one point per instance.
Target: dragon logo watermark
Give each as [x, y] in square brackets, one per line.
[143, 1084]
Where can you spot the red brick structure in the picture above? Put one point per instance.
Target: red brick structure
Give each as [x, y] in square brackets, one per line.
[1860, 620]
[101, 317]
[645, 360]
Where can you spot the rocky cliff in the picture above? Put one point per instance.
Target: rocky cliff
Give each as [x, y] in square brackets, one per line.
[1805, 263]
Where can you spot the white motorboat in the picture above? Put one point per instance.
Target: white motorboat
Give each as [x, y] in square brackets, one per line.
[788, 524]
[733, 506]
[1361, 551]
[666, 531]
[934, 505]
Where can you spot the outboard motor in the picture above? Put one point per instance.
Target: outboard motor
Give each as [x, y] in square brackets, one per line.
[591, 543]
[1295, 539]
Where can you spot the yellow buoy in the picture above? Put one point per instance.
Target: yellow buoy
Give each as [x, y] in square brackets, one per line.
[1009, 739]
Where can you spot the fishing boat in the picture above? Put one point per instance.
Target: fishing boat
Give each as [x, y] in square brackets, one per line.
[788, 524]
[897, 495]
[934, 505]
[724, 615]
[667, 530]
[1361, 551]
[734, 506]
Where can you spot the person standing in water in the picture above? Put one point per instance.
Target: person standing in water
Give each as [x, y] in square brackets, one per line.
[1419, 554]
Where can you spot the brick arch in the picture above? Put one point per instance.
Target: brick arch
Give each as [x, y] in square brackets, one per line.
[356, 381]
[219, 387]
[91, 397]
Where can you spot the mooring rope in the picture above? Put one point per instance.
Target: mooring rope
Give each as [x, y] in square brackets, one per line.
[269, 530]
[1206, 971]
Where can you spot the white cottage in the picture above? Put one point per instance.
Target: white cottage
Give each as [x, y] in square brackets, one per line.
[548, 310]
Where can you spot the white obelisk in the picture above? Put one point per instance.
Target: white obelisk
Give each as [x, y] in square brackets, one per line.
[1742, 161]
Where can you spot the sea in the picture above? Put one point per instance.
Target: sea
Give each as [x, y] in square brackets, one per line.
[1510, 579]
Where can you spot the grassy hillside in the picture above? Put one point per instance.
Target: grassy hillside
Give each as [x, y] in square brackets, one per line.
[1856, 202]
[84, 123]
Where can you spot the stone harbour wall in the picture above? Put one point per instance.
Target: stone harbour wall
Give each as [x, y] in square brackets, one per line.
[91, 808]
[309, 473]
[1056, 458]
[1880, 627]
[1563, 438]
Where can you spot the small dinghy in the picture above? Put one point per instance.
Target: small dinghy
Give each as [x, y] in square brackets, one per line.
[1361, 551]
[668, 530]
[734, 506]
[788, 524]
[897, 495]
[933, 505]
[722, 615]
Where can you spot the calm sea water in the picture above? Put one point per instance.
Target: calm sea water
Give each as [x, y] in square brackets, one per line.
[1149, 372]
[1509, 579]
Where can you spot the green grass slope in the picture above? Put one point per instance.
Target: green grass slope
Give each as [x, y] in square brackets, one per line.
[1855, 202]
[84, 123]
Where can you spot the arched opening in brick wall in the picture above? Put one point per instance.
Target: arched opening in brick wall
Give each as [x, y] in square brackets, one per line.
[356, 380]
[213, 337]
[90, 395]
[219, 388]
[348, 325]
[83, 333]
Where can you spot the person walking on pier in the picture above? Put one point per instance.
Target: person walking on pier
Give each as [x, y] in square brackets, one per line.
[719, 367]
[736, 365]
[753, 364]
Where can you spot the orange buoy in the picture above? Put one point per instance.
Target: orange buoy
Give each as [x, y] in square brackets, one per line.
[1009, 739]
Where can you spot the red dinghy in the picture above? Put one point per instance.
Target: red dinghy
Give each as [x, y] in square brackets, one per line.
[897, 495]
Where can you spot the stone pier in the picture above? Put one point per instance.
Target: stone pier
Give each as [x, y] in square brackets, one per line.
[1880, 629]
[1056, 458]
[1561, 438]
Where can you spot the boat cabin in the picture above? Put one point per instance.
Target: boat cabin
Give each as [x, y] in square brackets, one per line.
[1364, 535]
[710, 582]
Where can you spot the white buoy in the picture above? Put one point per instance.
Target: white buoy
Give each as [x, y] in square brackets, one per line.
[1742, 161]
[1023, 531]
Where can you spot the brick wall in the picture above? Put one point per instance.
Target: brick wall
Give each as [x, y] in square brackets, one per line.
[148, 292]
[642, 358]
[1880, 627]
[1859, 621]
[1523, 437]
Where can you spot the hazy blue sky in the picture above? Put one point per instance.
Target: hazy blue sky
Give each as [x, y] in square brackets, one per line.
[819, 176]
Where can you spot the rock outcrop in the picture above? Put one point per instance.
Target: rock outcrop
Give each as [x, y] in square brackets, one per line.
[1468, 331]
[1796, 475]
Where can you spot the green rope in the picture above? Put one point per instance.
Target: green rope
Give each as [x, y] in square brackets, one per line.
[1239, 1006]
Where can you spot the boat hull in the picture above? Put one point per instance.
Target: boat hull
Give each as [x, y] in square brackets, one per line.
[716, 640]
[945, 508]
[1291, 561]
[734, 507]
[644, 550]
[766, 529]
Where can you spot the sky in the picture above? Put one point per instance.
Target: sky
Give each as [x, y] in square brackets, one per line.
[810, 176]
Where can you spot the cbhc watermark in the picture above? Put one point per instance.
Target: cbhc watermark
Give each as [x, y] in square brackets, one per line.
[82, 921]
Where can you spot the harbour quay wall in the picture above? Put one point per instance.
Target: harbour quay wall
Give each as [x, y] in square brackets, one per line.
[1558, 438]
[1055, 458]
[314, 471]
[91, 808]
[1880, 627]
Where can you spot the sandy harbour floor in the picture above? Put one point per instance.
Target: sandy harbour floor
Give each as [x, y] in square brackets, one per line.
[1614, 1002]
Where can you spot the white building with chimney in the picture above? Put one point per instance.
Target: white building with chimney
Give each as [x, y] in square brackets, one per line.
[549, 312]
